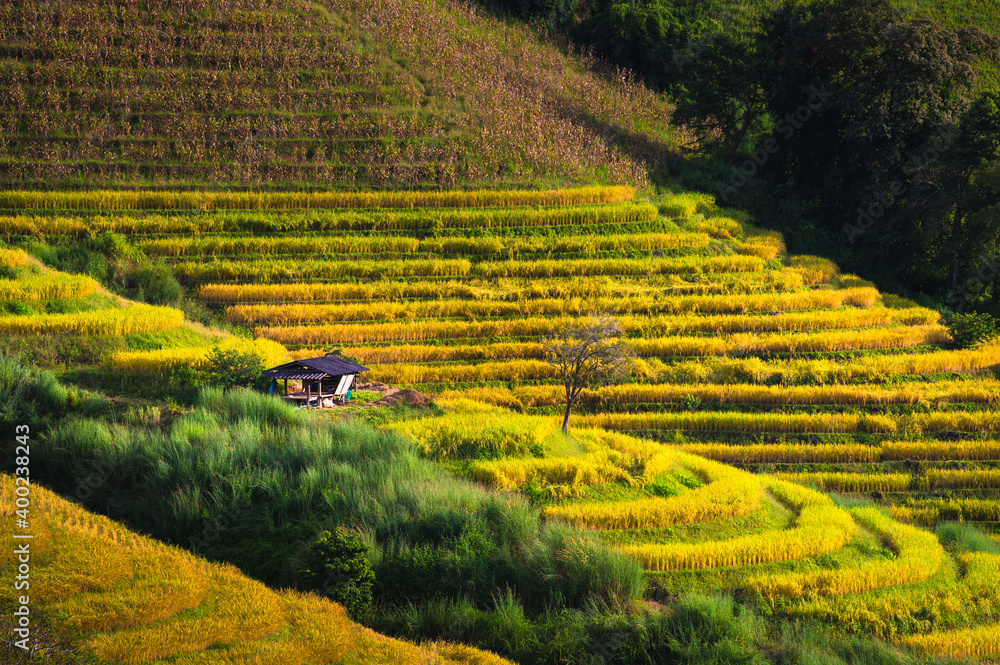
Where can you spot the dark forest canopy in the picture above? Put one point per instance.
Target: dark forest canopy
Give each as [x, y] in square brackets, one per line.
[864, 131]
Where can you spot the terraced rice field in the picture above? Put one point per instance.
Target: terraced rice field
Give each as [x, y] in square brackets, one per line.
[697, 524]
[746, 357]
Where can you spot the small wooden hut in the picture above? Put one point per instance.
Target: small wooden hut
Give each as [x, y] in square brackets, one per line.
[326, 378]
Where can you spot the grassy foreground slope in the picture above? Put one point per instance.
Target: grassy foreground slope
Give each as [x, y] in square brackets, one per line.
[140, 601]
[286, 93]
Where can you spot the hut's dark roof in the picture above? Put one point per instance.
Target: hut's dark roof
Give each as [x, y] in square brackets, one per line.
[314, 368]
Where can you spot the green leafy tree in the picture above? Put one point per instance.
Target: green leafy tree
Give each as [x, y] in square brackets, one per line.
[337, 566]
[231, 368]
[896, 91]
[970, 330]
[957, 204]
[715, 79]
[705, 57]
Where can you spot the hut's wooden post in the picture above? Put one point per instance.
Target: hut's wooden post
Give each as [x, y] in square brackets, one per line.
[309, 387]
[286, 387]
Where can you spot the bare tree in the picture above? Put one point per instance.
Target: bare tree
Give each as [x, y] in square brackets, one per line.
[587, 354]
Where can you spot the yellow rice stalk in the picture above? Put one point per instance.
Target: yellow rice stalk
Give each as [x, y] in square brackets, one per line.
[38, 288]
[40, 226]
[222, 246]
[985, 391]
[243, 609]
[475, 309]
[402, 374]
[508, 474]
[348, 333]
[834, 340]
[723, 228]
[962, 360]
[278, 270]
[493, 395]
[951, 421]
[820, 371]
[785, 453]
[654, 457]
[766, 245]
[814, 269]
[709, 421]
[686, 204]
[164, 583]
[728, 493]
[151, 200]
[928, 512]
[821, 527]
[382, 244]
[919, 555]
[586, 267]
[503, 289]
[946, 391]
[917, 607]
[964, 478]
[317, 631]
[164, 360]
[410, 353]
[14, 258]
[469, 428]
[969, 642]
[941, 450]
[384, 221]
[832, 481]
[107, 322]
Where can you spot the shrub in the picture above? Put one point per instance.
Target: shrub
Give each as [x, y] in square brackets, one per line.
[972, 329]
[338, 566]
[154, 284]
[232, 368]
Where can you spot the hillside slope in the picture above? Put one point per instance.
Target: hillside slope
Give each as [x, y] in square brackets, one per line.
[144, 602]
[285, 93]
[747, 355]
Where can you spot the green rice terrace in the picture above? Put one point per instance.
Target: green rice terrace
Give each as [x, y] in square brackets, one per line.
[758, 376]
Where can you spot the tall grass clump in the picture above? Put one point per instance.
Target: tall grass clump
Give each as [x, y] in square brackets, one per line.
[965, 538]
[33, 397]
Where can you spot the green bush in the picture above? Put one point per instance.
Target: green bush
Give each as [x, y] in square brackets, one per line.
[154, 284]
[972, 329]
[234, 369]
[337, 566]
